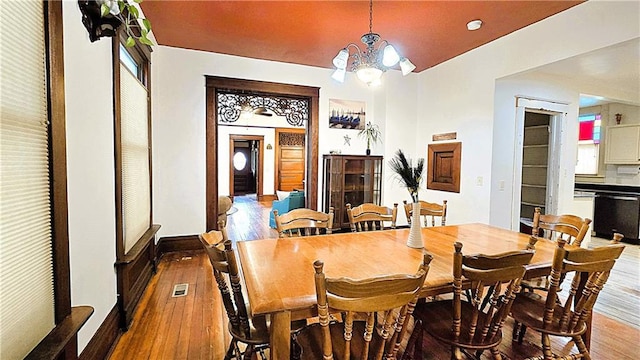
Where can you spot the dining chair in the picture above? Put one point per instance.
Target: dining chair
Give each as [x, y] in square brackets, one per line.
[368, 216]
[572, 228]
[565, 316]
[303, 222]
[427, 210]
[473, 324]
[251, 331]
[381, 302]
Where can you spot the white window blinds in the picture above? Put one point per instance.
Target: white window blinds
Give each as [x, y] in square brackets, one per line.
[136, 188]
[26, 270]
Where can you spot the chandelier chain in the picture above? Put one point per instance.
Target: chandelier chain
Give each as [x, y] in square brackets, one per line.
[370, 16]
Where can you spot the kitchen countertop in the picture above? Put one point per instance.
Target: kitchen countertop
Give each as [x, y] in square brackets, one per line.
[608, 188]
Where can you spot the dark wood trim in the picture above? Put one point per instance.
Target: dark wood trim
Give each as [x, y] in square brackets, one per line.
[215, 82]
[54, 345]
[178, 243]
[259, 174]
[104, 338]
[134, 270]
[276, 152]
[58, 146]
[117, 146]
[269, 197]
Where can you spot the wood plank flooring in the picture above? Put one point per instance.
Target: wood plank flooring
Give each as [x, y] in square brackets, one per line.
[194, 326]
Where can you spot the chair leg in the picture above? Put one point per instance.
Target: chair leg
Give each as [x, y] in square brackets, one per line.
[521, 332]
[230, 351]
[582, 348]
[496, 353]
[546, 347]
[416, 335]
[456, 353]
[248, 352]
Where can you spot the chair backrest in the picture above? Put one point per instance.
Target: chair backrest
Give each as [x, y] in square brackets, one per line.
[303, 222]
[370, 216]
[225, 270]
[428, 210]
[570, 227]
[495, 281]
[382, 301]
[589, 266]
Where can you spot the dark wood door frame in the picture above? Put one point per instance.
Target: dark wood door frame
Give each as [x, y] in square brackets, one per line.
[260, 168]
[213, 83]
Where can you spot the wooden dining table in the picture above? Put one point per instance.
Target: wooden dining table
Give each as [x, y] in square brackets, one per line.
[279, 274]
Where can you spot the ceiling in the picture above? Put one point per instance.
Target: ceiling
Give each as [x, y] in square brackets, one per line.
[312, 32]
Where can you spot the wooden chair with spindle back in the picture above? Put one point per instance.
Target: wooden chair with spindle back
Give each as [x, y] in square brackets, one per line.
[475, 324]
[428, 210]
[566, 316]
[369, 217]
[553, 227]
[382, 301]
[252, 331]
[303, 222]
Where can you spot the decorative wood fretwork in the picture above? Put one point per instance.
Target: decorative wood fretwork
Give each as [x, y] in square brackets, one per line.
[291, 139]
[231, 104]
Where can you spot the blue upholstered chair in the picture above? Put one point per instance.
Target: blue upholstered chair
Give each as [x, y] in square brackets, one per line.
[295, 200]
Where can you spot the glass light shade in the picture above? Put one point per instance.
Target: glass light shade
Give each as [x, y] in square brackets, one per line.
[406, 66]
[368, 74]
[340, 61]
[339, 75]
[390, 56]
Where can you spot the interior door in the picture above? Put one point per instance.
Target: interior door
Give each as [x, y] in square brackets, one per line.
[290, 159]
[539, 125]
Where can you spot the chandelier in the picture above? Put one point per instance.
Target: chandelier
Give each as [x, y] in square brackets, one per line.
[370, 64]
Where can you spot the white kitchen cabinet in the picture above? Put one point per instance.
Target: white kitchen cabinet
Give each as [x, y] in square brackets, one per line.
[623, 144]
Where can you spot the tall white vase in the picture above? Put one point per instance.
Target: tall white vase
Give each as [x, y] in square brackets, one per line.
[415, 233]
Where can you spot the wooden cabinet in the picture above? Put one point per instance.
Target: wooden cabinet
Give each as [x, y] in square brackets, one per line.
[623, 144]
[350, 179]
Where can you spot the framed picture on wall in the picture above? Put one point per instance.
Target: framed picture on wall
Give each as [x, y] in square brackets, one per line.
[346, 114]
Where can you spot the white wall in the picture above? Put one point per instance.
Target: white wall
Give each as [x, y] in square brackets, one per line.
[458, 95]
[90, 170]
[179, 124]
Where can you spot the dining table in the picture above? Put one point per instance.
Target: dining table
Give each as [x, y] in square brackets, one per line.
[279, 273]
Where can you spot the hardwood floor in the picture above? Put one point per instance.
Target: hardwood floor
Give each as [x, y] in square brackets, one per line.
[194, 326]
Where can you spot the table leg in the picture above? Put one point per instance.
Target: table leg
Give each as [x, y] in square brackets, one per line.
[280, 340]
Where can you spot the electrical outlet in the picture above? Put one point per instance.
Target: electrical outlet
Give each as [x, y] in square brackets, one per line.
[501, 185]
[479, 181]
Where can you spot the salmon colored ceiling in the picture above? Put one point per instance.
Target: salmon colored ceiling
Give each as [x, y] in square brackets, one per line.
[312, 32]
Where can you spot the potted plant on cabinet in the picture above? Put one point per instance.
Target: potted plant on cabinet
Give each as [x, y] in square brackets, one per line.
[371, 132]
[410, 177]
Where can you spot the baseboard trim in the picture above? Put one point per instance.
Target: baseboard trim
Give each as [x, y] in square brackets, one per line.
[103, 341]
[178, 243]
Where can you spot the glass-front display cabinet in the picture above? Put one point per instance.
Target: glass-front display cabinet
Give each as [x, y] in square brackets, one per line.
[350, 179]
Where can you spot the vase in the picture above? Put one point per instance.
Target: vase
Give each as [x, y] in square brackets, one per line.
[415, 233]
[368, 151]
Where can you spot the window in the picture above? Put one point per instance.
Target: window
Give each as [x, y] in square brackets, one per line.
[239, 161]
[588, 144]
[34, 254]
[135, 233]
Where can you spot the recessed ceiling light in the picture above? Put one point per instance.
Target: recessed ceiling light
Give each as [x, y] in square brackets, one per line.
[474, 25]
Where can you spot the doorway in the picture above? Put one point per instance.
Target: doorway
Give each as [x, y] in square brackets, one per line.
[290, 159]
[216, 85]
[246, 162]
[539, 125]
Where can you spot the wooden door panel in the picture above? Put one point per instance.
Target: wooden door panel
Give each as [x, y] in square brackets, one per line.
[292, 153]
[292, 166]
[291, 160]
